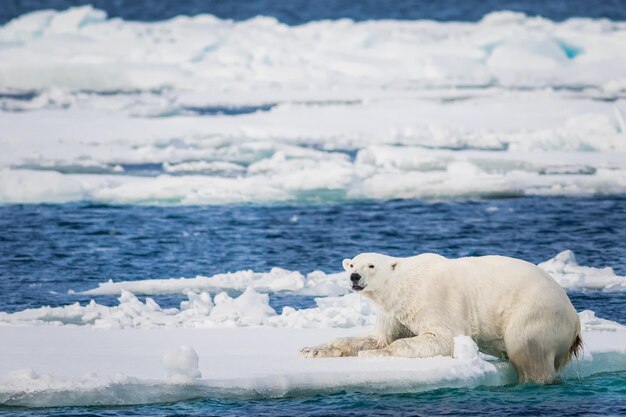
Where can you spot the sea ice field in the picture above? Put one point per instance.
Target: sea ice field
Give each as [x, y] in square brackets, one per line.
[177, 192]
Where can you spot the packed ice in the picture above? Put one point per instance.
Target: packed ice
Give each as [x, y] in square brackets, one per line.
[82, 49]
[198, 110]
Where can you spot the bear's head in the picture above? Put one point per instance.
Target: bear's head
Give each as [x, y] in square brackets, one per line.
[369, 272]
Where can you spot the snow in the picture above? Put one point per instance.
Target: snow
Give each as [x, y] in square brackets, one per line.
[409, 148]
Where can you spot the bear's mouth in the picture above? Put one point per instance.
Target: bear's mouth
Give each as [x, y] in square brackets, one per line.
[357, 287]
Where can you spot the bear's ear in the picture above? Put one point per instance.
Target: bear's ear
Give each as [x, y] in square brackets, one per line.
[346, 264]
[393, 265]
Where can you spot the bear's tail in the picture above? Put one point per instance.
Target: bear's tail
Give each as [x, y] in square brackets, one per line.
[576, 348]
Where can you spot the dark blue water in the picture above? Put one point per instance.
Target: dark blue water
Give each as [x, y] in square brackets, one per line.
[301, 11]
[50, 249]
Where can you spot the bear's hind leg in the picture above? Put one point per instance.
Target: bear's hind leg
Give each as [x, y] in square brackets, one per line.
[532, 354]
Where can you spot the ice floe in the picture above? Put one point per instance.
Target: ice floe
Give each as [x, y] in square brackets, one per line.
[276, 280]
[198, 110]
[411, 149]
[69, 365]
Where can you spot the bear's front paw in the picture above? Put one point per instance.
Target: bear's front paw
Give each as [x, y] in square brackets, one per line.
[321, 352]
[309, 352]
[374, 353]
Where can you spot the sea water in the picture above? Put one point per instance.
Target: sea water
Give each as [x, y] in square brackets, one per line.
[51, 249]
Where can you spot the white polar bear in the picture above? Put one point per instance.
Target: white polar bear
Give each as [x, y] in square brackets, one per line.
[510, 308]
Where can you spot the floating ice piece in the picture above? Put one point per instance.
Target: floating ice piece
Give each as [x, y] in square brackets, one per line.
[276, 280]
[252, 308]
[589, 322]
[86, 102]
[32, 187]
[566, 271]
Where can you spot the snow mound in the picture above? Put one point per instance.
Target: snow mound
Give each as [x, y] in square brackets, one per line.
[181, 365]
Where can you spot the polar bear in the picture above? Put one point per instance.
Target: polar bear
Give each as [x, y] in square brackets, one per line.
[510, 308]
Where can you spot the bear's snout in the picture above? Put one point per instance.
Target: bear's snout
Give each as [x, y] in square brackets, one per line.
[354, 277]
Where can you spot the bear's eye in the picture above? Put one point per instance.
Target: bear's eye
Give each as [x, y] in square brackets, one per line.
[351, 266]
[371, 266]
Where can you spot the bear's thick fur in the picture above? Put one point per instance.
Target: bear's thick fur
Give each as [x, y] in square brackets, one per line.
[510, 308]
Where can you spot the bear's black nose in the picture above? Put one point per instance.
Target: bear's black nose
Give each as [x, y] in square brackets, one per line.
[354, 277]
